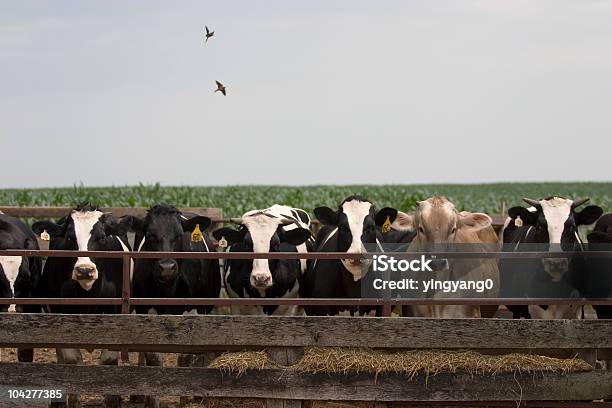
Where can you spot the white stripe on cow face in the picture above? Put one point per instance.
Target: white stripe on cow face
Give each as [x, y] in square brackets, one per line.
[262, 228]
[11, 265]
[356, 212]
[84, 222]
[556, 211]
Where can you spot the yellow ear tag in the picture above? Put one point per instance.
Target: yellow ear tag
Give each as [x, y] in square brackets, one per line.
[222, 243]
[45, 236]
[518, 222]
[196, 235]
[386, 227]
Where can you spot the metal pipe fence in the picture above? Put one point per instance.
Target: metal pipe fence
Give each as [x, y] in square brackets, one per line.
[387, 303]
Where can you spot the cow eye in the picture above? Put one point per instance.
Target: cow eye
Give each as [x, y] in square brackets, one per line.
[454, 230]
[421, 230]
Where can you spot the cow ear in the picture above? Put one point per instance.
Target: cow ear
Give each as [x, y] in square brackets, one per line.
[404, 222]
[120, 227]
[296, 236]
[385, 214]
[190, 224]
[52, 228]
[476, 221]
[231, 235]
[326, 215]
[528, 217]
[588, 215]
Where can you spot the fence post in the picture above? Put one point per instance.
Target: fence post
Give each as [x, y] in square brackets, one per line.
[285, 356]
[126, 292]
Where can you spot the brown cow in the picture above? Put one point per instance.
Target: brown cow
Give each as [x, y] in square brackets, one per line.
[440, 226]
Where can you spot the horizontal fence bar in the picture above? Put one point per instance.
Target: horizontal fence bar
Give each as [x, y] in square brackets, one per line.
[60, 301]
[299, 255]
[192, 332]
[290, 385]
[56, 212]
[303, 301]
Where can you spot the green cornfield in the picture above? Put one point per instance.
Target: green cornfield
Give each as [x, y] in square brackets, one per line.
[235, 200]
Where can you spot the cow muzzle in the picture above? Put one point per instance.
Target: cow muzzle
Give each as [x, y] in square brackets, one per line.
[167, 270]
[357, 267]
[261, 280]
[556, 267]
[85, 273]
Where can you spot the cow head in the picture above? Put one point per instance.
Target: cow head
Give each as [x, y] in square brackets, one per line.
[555, 221]
[438, 225]
[85, 229]
[262, 231]
[164, 230]
[357, 221]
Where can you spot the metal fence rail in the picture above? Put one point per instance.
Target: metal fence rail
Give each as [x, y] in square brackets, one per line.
[126, 300]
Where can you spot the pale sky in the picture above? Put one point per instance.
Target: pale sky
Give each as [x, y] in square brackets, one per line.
[319, 92]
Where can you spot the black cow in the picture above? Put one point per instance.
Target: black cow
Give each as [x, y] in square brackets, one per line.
[551, 225]
[165, 229]
[18, 274]
[275, 229]
[356, 223]
[85, 229]
[599, 281]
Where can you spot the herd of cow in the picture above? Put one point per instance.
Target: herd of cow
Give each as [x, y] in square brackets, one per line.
[550, 224]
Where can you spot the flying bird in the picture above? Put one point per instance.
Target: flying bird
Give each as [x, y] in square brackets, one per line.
[220, 87]
[208, 34]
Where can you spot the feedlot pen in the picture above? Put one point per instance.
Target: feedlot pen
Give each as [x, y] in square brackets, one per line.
[286, 339]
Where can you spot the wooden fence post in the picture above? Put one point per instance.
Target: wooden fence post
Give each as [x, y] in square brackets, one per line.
[284, 356]
[126, 293]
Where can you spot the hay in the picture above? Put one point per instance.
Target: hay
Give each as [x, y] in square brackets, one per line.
[409, 363]
[238, 363]
[230, 403]
[261, 403]
[429, 362]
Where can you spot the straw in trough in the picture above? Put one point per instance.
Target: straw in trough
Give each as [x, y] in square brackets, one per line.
[238, 363]
[409, 363]
[230, 403]
[429, 362]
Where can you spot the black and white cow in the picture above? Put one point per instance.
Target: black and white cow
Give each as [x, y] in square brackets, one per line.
[598, 284]
[276, 229]
[85, 229]
[18, 274]
[552, 225]
[356, 223]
